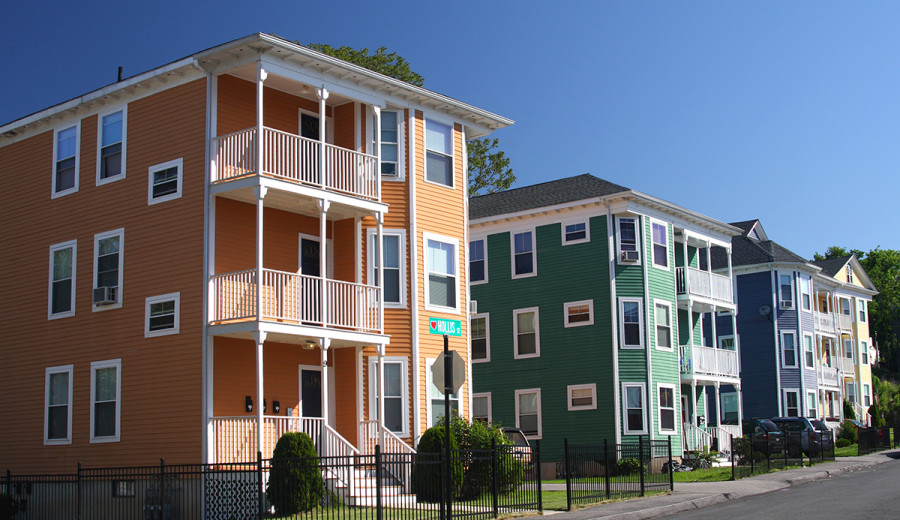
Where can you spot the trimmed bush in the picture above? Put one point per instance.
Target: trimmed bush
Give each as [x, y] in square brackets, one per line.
[842, 443]
[295, 481]
[847, 431]
[478, 466]
[627, 466]
[426, 477]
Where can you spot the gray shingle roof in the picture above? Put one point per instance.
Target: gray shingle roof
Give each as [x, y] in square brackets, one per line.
[832, 266]
[747, 251]
[550, 193]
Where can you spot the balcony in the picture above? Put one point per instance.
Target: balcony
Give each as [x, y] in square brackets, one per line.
[698, 362]
[847, 366]
[295, 299]
[829, 378]
[298, 160]
[824, 322]
[703, 284]
[844, 322]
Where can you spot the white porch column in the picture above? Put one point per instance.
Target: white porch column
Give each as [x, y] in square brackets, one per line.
[379, 217]
[715, 336]
[322, 93]
[380, 395]
[718, 405]
[261, 76]
[260, 195]
[694, 402]
[260, 338]
[740, 407]
[324, 343]
[323, 264]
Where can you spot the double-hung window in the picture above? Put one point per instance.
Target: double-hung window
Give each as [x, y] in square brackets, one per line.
[579, 313]
[62, 280]
[845, 307]
[862, 310]
[851, 392]
[792, 403]
[812, 405]
[864, 353]
[477, 261]
[106, 391]
[438, 153]
[396, 407]
[481, 342]
[390, 143]
[65, 160]
[848, 348]
[582, 397]
[528, 412]
[788, 349]
[805, 298]
[660, 244]
[526, 333]
[786, 288]
[634, 397]
[161, 315]
[523, 254]
[442, 290]
[481, 408]
[666, 408]
[809, 355]
[663, 317]
[867, 399]
[111, 147]
[631, 323]
[394, 257]
[58, 405]
[629, 252]
[108, 268]
[575, 232]
[165, 181]
[849, 271]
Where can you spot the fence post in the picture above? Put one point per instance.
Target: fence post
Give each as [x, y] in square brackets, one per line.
[641, 461]
[261, 493]
[733, 455]
[78, 492]
[495, 491]
[566, 469]
[379, 509]
[538, 471]
[162, 486]
[606, 476]
[808, 447]
[444, 492]
[671, 469]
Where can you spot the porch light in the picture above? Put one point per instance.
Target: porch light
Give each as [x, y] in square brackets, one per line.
[310, 344]
[248, 404]
[276, 406]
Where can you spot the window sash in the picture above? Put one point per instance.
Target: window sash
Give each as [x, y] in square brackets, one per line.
[634, 409]
[663, 326]
[477, 261]
[441, 274]
[111, 139]
[660, 245]
[666, 409]
[478, 334]
[576, 231]
[787, 290]
[792, 404]
[627, 234]
[632, 335]
[523, 253]
[438, 153]
[526, 333]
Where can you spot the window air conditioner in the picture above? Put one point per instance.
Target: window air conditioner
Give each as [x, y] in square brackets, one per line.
[630, 256]
[473, 306]
[104, 295]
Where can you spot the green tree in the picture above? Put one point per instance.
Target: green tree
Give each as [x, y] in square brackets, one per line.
[295, 482]
[489, 169]
[837, 252]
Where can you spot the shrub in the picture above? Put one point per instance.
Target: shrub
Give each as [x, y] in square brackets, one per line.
[8, 507]
[295, 481]
[742, 451]
[847, 431]
[842, 443]
[848, 410]
[478, 466]
[627, 466]
[426, 475]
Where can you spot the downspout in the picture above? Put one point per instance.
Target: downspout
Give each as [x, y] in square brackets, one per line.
[614, 321]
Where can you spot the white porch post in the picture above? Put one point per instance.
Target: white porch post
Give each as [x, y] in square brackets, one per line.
[322, 93]
[715, 336]
[261, 76]
[259, 338]
[694, 402]
[718, 404]
[324, 344]
[740, 407]
[380, 395]
[323, 264]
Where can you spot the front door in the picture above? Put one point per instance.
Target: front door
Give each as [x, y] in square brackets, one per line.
[310, 392]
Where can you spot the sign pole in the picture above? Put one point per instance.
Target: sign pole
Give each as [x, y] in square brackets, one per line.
[448, 388]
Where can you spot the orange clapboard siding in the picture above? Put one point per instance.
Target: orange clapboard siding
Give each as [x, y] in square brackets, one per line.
[158, 374]
[237, 107]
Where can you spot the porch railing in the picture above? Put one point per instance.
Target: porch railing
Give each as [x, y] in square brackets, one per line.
[235, 437]
[824, 322]
[296, 159]
[723, 434]
[696, 438]
[697, 360]
[370, 436]
[692, 281]
[829, 377]
[295, 298]
[844, 321]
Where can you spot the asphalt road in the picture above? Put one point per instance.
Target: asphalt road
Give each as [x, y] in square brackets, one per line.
[871, 494]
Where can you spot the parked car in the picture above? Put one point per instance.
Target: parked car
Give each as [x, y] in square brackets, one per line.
[826, 434]
[519, 442]
[765, 437]
[799, 436]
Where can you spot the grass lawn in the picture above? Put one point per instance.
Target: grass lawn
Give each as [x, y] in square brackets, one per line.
[703, 475]
[556, 500]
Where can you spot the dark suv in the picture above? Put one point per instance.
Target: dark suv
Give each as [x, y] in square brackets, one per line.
[826, 435]
[799, 436]
[765, 437]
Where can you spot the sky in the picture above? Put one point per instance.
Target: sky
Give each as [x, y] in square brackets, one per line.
[783, 111]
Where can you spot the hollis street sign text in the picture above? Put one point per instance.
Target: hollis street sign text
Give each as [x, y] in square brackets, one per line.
[444, 326]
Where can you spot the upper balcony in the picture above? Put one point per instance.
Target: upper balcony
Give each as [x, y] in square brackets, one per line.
[696, 283]
[824, 322]
[707, 363]
[844, 322]
[829, 378]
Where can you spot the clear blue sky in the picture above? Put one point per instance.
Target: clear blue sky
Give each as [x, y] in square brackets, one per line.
[784, 111]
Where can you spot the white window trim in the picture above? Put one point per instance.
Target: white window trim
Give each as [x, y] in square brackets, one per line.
[540, 413]
[815, 406]
[119, 291]
[537, 332]
[452, 152]
[675, 401]
[177, 163]
[797, 350]
[812, 341]
[644, 408]
[373, 389]
[371, 237]
[568, 305]
[862, 312]
[668, 266]
[176, 297]
[865, 395]
[574, 408]
[722, 339]
[863, 351]
[512, 253]
[668, 306]
[852, 350]
[640, 302]
[587, 231]
[117, 364]
[490, 405]
[851, 391]
[53, 193]
[401, 138]
[781, 299]
[429, 416]
[802, 304]
[71, 312]
[426, 236]
[124, 110]
[637, 240]
[69, 369]
[487, 338]
[486, 280]
[800, 404]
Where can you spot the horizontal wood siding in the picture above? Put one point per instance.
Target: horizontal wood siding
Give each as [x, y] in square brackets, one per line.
[237, 108]
[758, 350]
[664, 363]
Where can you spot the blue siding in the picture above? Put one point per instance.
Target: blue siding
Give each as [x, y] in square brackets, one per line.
[758, 372]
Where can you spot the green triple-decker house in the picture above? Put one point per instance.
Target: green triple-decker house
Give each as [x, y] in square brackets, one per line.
[594, 314]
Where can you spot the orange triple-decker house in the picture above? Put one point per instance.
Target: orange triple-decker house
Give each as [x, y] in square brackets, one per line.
[191, 267]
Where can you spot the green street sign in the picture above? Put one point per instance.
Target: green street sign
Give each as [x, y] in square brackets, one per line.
[443, 326]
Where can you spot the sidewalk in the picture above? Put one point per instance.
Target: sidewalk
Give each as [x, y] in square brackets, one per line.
[694, 495]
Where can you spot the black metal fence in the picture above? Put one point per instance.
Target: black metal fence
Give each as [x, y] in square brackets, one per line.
[763, 452]
[484, 483]
[596, 472]
[873, 439]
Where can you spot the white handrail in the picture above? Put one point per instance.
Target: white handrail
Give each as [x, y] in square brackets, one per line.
[696, 438]
[695, 359]
[703, 283]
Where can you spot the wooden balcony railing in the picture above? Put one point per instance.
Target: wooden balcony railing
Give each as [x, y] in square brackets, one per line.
[296, 159]
[824, 321]
[295, 298]
[829, 377]
[844, 321]
[718, 362]
[694, 282]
